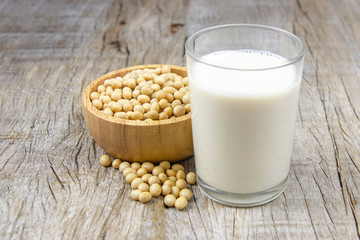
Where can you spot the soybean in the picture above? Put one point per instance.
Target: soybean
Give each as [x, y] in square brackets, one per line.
[167, 92]
[181, 184]
[191, 178]
[130, 177]
[145, 197]
[165, 189]
[129, 170]
[180, 203]
[141, 172]
[144, 187]
[176, 167]
[169, 200]
[123, 166]
[157, 170]
[105, 160]
[165, 165]
[148, 166]
[155, 190]
[186, 193]
[135, 194]
[116, 163]
[136, 182]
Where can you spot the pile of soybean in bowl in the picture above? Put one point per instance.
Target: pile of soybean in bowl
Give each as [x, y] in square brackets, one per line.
[144, 94]
[149, 181]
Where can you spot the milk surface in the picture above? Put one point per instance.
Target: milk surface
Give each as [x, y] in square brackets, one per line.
[243, 120]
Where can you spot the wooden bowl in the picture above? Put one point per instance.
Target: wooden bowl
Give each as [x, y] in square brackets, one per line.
[138, 141]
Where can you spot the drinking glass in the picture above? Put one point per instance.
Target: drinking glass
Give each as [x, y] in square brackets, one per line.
[244, 86]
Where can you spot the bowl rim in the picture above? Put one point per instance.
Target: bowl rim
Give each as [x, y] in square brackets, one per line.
[121, 72]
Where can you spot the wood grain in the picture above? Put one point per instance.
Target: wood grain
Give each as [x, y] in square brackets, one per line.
[51, 183]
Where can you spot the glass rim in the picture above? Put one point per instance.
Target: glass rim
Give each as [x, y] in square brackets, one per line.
[289, 61]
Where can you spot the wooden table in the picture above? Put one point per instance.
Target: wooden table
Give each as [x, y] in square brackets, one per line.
[51, 183]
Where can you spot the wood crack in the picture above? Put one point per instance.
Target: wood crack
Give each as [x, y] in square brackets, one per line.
[348, 98]
[192, 227]
[352, 160]
[7, 160]
[51, 191]
[307, 207]
[323, 197]
[337, 111]
[127, 55]
[54, 172]
[198, 210]
[300, 7]
[353, 212]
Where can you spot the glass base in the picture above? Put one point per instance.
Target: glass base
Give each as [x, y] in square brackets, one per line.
[243, 200]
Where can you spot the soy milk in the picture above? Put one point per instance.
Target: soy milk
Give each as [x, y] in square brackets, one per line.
[243, 120]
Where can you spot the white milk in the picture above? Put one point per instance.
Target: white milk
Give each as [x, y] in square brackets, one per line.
[243, 121]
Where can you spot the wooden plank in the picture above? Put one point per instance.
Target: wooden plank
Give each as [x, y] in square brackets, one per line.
[51, 184]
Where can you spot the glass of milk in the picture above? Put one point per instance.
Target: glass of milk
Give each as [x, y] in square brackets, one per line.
[244, 89]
